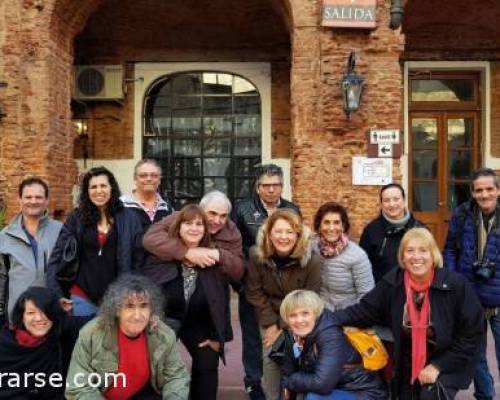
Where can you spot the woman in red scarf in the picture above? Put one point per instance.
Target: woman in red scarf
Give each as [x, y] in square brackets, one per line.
[434, 315]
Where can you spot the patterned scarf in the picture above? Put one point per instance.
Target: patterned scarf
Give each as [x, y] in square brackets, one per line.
[419, 321]
[329, 249]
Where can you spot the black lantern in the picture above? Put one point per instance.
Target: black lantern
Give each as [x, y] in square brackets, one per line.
[352, 87]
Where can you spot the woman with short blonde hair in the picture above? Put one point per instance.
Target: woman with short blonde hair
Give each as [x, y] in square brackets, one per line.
[434, 315]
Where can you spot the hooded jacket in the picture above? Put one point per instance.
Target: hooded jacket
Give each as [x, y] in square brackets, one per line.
[329, 362]
[267, 284]
[20, 271]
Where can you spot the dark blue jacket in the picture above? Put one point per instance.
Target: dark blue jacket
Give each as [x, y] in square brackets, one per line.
[130, 253]
[329, 362]
[460, 251]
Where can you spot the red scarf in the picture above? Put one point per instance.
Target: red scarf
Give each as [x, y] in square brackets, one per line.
[26, 340]
[419, 322]
[330, 250]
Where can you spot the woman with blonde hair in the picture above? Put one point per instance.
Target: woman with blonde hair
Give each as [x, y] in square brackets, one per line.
[281, 261]
[319, 362]
[435, 318]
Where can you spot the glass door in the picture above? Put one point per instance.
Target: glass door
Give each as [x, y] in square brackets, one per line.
[444, 146]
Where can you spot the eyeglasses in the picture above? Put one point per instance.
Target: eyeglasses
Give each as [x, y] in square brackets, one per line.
[145, 175]
[268, 186]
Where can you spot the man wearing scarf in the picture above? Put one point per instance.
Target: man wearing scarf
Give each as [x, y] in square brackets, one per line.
[381, 237]
[473, 249]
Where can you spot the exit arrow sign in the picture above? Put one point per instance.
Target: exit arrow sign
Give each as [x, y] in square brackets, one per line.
[385, 150]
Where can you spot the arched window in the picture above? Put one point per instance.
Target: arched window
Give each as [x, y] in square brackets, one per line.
[204, 128]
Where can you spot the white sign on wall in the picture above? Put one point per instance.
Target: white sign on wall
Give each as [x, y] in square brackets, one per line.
[384, 136]
[371, 171]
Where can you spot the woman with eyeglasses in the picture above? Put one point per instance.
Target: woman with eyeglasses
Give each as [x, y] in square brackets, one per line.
[434, 315]
[100, 240]
[281, 261]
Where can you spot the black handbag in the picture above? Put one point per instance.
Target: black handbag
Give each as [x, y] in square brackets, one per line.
[69, 270]
[279, 347]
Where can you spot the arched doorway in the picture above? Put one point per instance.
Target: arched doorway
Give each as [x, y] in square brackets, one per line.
[204, 128]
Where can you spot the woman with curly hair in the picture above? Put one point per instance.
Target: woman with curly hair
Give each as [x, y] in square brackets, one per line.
[101, 237]
[127, 352]
[281, 261]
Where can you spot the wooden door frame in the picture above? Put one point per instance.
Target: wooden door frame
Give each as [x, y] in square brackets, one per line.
[442, 112]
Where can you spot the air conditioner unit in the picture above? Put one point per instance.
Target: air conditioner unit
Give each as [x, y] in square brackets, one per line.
[98, 82]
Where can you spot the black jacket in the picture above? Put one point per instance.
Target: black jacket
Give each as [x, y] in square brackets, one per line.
[329, 362]
[130, 254]
[214, 283]
[249, 214]
[456, 316]
[380, 239]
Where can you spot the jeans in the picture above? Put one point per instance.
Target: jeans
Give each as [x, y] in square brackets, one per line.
[483, 381]
[335, 395]
[83, 307]
[252, 342]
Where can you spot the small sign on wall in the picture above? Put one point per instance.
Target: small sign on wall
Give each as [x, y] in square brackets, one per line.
[350, 13]
[371, 171]
[385, 143]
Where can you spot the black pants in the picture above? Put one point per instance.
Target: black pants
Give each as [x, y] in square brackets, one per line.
[426, 392]
[197, 328]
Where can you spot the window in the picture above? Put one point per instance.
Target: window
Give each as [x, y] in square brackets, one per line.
[204, 128]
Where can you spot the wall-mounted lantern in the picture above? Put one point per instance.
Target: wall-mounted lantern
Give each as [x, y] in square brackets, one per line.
[352, 87]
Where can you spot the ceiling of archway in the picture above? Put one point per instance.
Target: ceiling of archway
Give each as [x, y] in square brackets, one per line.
[454, 23]
[139, 26]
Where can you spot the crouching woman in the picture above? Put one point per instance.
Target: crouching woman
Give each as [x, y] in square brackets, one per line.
[319, 362]
[126, 352]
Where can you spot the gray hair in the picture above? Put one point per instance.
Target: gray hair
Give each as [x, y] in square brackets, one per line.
[268, 170]
[122, 288]
[484, 172]
[140, 163]
[215, 195]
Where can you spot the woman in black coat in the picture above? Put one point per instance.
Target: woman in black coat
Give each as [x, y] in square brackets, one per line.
[31, 356]
[321, 364]
[102, 237]
[435, 318]
[197, 299]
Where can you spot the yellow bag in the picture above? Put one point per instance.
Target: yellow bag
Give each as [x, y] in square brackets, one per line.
[369, 346]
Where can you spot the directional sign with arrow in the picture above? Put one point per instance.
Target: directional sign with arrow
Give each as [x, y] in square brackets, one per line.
[385, 150]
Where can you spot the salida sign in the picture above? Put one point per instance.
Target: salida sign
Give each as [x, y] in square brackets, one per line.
[350, 13]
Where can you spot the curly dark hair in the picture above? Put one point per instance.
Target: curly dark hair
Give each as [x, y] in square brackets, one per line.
[89, 212]
[331, 207]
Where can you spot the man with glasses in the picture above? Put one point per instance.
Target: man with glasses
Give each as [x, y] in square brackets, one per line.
[145, 199]
[249, 215]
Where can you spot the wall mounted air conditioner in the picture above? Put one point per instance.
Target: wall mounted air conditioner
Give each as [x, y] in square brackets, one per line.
[98, 82]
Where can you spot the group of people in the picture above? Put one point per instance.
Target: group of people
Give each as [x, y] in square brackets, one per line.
[112, 289]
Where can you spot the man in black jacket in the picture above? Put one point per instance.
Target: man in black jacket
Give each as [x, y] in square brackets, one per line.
[381, 237]
[249, 215]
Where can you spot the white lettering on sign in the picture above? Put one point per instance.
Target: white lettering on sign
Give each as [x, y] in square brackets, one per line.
[384, 136]
[349, 13]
